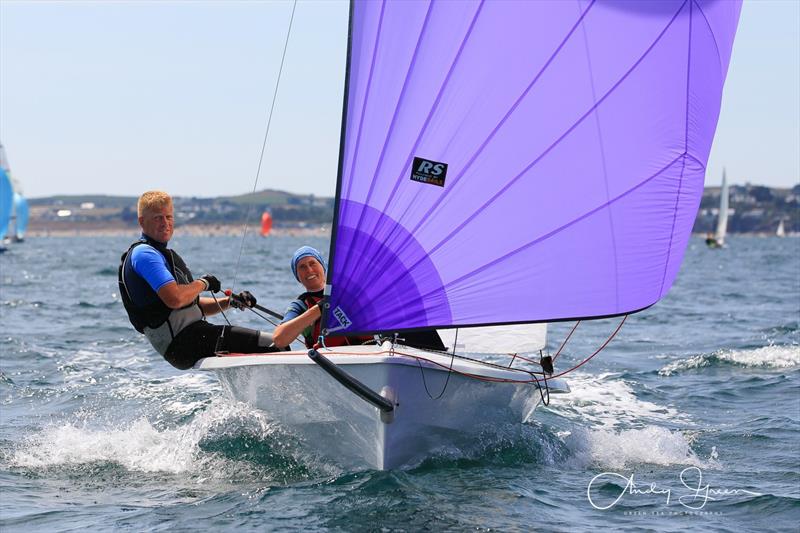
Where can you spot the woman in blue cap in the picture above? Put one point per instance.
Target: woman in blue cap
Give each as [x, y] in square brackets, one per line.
[303, 314]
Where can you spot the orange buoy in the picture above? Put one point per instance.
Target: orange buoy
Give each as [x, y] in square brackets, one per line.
[266, 224]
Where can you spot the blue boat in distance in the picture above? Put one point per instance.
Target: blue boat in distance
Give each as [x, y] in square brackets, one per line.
[6, 202]
[13, 205]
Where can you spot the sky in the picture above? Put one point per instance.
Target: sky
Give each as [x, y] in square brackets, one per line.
[120, 97]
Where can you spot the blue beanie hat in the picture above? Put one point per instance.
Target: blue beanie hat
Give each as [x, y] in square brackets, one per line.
[306, 251]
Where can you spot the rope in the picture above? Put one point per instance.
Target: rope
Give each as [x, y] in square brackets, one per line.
[264, 143]
[608, 340]
[449, 371]
[267, 319]
[546, 402]
[221, 336]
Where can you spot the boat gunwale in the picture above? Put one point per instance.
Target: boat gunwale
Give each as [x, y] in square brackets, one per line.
[357, 355]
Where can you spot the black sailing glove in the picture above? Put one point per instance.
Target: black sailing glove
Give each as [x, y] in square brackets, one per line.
[242, 300]
[212, 283]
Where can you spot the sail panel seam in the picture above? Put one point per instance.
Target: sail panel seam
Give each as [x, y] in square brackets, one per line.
[367, 93]
[711, 31]
[396, 113]
[435, 105]
[508, 114]
[556, 142]
[382, 257]
[551, 147]
[565, 226]
[364, 104]
[612, 231]
[685, 151]
[538, 240]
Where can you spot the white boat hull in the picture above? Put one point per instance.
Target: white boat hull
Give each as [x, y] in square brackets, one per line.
[431, 413]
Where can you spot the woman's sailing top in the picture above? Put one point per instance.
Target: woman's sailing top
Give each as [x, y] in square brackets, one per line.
[311, 334]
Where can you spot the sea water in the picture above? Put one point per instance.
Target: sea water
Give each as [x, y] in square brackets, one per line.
[688, 420]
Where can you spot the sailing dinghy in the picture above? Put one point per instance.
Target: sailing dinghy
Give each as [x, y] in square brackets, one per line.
[718, 239]
[6, 198]
[781, 231]
[501, 164]
[17, 218]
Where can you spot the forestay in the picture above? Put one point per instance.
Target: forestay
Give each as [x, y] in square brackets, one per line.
[509, 162]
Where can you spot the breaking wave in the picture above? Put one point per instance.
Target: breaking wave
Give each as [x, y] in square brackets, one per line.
[608, 401]
[768, 357]
[227, 442]
[618, 449]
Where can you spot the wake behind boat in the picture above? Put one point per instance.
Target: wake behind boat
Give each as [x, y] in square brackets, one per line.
[439, 401]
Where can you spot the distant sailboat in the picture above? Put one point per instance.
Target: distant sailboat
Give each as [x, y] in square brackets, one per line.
[266, 223]
[18, 210]
[781, 231]
[6, 203]
[20, 216]
[718, 239]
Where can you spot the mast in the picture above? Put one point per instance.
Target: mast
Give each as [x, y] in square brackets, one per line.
[340, 171]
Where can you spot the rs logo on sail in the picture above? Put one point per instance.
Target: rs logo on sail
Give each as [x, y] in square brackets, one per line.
[426, 171]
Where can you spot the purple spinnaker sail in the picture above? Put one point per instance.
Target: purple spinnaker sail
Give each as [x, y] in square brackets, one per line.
[575, 136]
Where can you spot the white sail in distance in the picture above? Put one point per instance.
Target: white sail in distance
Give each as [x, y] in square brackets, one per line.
[722, 220]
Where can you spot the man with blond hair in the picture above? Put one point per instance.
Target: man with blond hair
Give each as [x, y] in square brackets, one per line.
[163, 300]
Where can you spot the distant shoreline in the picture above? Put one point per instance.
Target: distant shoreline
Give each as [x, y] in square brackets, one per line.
[194, 230]
[233, 230]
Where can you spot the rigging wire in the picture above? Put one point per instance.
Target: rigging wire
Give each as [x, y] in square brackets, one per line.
[564, 343]
[608, 340]
[264, 143]
[222, 312]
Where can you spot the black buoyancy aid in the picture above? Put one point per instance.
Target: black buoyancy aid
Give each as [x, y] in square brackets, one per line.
[313, 298]
[156, 313]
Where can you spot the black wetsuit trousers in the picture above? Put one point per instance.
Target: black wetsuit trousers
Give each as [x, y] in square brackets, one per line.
[202, 339]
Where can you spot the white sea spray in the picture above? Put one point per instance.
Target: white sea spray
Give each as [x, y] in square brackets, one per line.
[140, 445]
[767, 357]
[613, 428]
